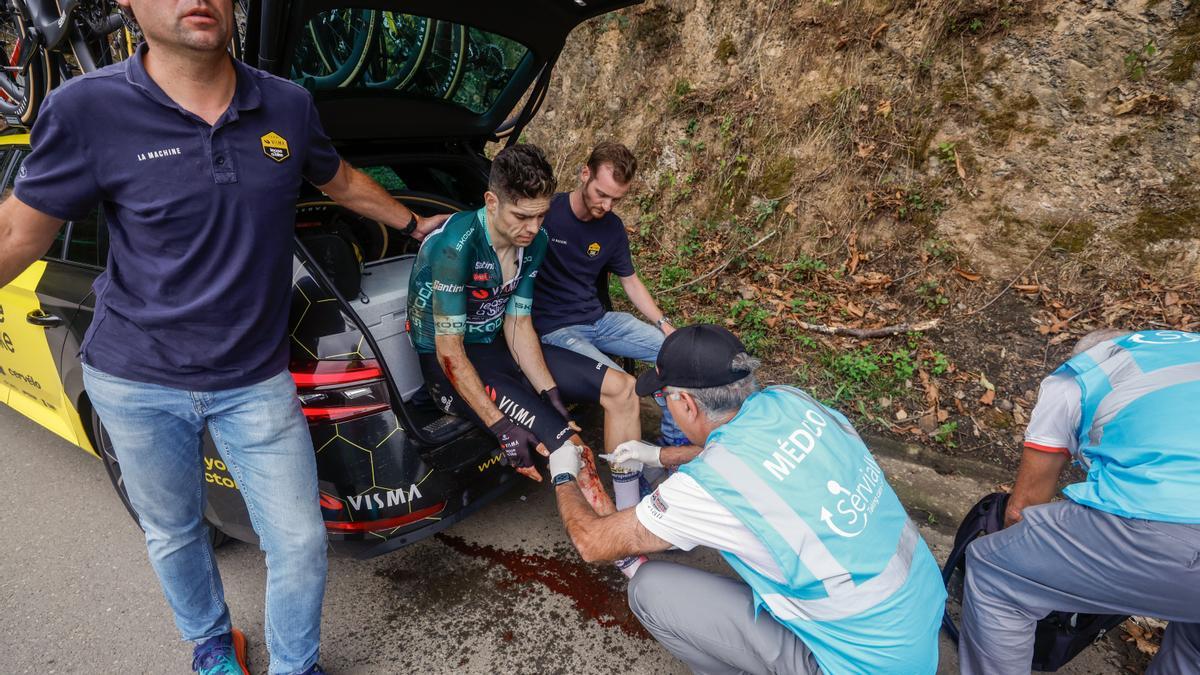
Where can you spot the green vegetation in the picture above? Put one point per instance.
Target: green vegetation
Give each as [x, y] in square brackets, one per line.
[806, 267]
[680, 89]
[945, 434]
[1075, 235]
[931, 293]
[1185, 47]
[1137, 60]
[726, 49]
[751, 325]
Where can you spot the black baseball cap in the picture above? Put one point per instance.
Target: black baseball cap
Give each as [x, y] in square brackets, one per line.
[694, 356]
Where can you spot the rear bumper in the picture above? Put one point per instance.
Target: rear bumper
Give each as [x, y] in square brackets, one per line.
[428, 489]
[468, 500]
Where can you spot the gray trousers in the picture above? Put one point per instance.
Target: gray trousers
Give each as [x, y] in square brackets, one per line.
[707, 621]
[1068, 557]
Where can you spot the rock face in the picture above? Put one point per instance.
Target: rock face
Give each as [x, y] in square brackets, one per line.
[1007, 128]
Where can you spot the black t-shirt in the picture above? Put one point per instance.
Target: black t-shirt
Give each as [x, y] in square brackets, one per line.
[579, 252]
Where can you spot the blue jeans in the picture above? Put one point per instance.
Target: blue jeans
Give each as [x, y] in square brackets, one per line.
[261, 434]
[620, 334]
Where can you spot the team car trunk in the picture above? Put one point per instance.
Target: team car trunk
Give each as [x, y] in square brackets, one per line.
[410, 91]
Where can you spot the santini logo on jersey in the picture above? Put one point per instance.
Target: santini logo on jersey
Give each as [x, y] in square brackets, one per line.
[447, 288]
[484, 265]
[155, 154]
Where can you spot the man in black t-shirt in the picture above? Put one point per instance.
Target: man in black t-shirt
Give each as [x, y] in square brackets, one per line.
[588, 240]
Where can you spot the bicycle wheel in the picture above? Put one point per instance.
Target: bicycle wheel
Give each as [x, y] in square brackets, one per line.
[21, 90]
[335, 48]
[441, 69]
[402, 43]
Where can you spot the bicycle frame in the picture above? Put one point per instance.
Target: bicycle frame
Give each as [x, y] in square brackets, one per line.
[49, 26]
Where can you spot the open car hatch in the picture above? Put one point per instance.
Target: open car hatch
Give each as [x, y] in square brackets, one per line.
[406, 69]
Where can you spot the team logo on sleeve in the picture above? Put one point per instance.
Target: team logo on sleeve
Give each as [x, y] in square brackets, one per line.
[658, 505]
[593, 249]
[275, 147]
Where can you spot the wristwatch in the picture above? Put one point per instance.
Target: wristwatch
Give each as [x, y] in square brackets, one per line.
[411, 226]
[665, 319]
[562, 479]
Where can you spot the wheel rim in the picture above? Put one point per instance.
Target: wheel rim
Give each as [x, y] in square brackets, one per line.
[14, 92]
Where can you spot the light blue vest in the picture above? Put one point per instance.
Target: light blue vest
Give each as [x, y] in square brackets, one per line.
[1139, 434]
[861, 588]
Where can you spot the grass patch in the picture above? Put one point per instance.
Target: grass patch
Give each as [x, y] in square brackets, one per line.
[1185, 48]
[726, 49]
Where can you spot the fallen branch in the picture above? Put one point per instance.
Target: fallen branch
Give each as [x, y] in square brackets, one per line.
[722, 266]
[864, 333]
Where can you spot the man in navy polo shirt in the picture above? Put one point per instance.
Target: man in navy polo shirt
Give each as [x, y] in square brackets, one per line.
[197, 162]
[588, 240]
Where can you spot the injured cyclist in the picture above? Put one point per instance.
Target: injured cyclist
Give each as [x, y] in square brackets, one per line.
[473, 280]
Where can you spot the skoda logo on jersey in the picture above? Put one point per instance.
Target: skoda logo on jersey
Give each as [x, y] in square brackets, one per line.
[275, 146]
[1165, 337]
[593, 249]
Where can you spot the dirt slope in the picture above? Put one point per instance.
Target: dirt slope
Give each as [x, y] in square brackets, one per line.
[1019, 171]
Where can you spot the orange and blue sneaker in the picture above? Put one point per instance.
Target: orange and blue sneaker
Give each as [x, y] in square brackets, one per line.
[221, 655]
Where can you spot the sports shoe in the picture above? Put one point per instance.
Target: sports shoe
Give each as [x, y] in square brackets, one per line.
[314, 669]
[221, 655]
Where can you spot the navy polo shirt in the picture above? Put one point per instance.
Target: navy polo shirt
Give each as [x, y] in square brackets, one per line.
[200, 219]
[578, 253]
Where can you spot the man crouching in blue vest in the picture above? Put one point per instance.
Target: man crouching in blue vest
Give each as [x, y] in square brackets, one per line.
[788, 493]
[1127, 539]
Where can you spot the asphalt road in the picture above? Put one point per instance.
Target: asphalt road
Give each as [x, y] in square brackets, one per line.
[502, 592]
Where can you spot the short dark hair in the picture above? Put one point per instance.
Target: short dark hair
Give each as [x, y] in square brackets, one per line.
[521, 172]
[616, 155]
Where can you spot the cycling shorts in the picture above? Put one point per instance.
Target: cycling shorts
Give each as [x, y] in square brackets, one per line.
[579, 379]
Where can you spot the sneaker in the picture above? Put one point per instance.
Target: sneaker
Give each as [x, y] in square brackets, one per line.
[315, 669]
[221, 655]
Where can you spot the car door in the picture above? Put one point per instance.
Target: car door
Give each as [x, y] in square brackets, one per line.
[36, 314]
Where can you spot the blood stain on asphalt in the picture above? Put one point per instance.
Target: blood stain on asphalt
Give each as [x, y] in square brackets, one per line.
[595, 597]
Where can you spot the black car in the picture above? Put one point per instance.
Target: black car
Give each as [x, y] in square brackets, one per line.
[411, 91]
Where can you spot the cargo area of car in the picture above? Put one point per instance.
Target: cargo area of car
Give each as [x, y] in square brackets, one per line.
[382, 305]
[369, 266]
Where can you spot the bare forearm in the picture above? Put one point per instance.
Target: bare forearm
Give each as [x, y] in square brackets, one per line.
[1037, 481]
[640, 296]
[358, 192]
[15, 255]
[678, 455]
[465, 379]
[526, 350]
[603, 538]
[25, 235]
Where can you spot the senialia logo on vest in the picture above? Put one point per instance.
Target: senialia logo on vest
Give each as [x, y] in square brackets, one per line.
[855, 503]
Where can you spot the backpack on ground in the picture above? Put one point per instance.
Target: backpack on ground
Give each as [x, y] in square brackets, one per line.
[1058, 637]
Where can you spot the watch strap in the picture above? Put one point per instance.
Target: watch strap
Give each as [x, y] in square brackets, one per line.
[411, 226]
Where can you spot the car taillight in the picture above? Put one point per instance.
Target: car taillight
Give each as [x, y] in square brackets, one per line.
[337, 391]
[386, 523]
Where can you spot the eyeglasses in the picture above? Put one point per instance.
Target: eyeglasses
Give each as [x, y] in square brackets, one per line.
[662, 395]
